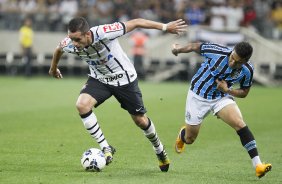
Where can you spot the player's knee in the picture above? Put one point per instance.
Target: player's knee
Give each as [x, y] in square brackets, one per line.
[141, 121]
[239, 124]
[82, 107]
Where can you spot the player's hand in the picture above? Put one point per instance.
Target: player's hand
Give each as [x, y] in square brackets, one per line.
[177, 26]
[222, 85]
[174, 49]
[55, 73]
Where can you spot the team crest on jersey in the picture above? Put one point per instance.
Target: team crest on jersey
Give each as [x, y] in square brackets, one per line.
[235, 73]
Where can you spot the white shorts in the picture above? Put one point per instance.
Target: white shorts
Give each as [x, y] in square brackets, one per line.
[197, 108]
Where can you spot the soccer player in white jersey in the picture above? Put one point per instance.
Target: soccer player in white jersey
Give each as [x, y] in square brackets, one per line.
[211, 91]
[111, 74]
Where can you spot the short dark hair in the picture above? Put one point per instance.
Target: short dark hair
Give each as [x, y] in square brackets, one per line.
[244, 50]
[78, 24]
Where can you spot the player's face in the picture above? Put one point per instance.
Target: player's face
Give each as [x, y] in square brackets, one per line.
[80, 40]
[235, 61]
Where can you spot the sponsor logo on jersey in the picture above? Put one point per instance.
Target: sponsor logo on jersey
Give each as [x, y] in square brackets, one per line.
[112, 78]
[100, 61]
[112, 27]
[64, 42]
[96, 62]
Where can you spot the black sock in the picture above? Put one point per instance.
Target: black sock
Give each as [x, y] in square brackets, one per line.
[248, 141]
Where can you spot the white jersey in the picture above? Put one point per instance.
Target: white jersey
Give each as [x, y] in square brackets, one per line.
[107, 61]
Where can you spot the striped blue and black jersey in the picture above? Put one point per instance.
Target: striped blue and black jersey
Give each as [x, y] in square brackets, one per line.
[215, 66]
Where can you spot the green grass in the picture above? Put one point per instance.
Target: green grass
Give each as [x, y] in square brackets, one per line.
[42, 137]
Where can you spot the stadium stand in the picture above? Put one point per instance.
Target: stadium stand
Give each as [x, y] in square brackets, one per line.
[49, 17]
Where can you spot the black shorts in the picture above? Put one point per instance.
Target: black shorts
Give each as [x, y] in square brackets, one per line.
[129, 96]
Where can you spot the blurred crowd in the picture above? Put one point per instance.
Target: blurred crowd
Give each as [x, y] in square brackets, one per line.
[264, 16]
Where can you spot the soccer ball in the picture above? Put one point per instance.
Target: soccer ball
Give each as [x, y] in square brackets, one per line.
[93, 160]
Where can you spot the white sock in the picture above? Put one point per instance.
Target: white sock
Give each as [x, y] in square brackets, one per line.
[256, 161]
[151, 134]
[91, 124]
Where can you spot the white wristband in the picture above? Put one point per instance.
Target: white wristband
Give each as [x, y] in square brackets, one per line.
[164, 27]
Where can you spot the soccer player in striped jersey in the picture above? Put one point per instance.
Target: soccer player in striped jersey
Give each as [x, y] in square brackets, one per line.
[211, 91]
[111, 74]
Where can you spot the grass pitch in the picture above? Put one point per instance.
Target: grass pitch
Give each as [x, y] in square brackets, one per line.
[42, 137]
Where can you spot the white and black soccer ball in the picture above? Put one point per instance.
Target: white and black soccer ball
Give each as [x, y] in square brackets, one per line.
[93, 160]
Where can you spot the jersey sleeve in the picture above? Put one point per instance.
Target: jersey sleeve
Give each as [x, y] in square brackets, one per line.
[65, 44]
[111, 31]
[247, 80]
[212, 48]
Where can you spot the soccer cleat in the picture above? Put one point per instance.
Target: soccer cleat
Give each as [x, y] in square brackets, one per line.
[163, 161]
[262, 169]
[109, 152]
[179, 144]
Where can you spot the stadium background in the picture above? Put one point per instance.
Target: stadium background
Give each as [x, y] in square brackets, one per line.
[221, 21]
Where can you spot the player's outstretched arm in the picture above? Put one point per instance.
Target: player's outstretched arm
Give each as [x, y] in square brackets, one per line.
[191, 47]
[54, 70]
[174, 27]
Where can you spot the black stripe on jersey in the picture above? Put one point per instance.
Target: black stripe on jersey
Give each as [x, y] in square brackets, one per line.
[203, 83]
[97, 32]
[99, 71]
[105, 45]
[208, 89]
[93, 72]
[87, 53]
[109, 69]
[251, 71]
[116, 61]
[124, 28]
[92, 35]
[221, 72]
[242, 82]
[76, 51]
[95, 50]
[217, 63]
[122, 69]
[197, 78]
